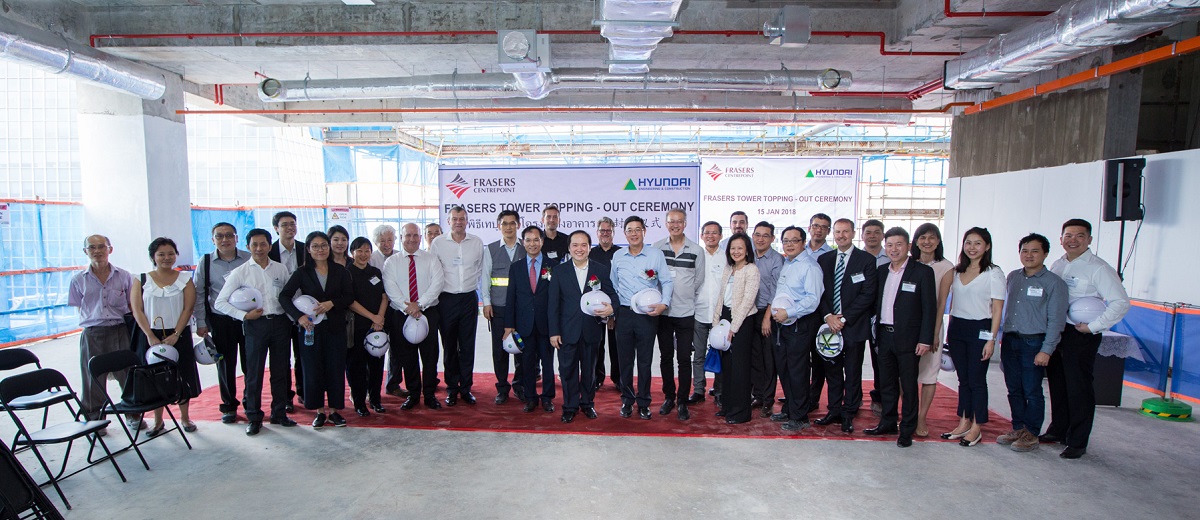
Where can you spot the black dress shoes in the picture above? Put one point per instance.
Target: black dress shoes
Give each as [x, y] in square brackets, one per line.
[548, 407]
[529, 406]
[361, 411]
[411, 403]
[766, 410]
[517, 391]
[289, 408]
[644, 413]
[720, 413]
[378, 408]
[828, 419]
[847, 427]
[904, 441]
[1049, 438]
[452, 400]
[779, 417]
[336, 419]
[589, 412]
[695, 398]
[433, 404]
[468, 398]
[502, 398]
[254, 428]
[683, 413]
[1072, 453]
[756, 403]
[883, 429]
[795, 426]
[667, 406]
[568, 417]
[283, 421]
[229, 417]
[626, 410]
[735, 421]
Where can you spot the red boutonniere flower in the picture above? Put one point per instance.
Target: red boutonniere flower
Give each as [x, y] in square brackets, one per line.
[651, 275]
[546, 273]
[593, 283]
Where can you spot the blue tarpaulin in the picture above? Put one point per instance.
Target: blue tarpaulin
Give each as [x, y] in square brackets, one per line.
[1150, 325]
[1186, 372]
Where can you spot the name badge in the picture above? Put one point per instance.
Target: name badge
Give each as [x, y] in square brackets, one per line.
[985, 335]
[552, 254]
[857, 278]
[374, 280]
[456, 261]
[1035, 292]
[908, 287]
[1071, 282]
[277, 283]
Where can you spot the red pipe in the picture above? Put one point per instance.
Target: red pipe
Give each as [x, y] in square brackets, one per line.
[983, 14]
[513, 110]
[913, 94]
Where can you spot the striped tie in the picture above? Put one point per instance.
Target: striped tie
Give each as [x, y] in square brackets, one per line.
[412, 278]
[838, 272]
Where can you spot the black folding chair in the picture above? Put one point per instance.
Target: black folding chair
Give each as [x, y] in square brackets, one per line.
[14, 358]
[32, 383]
[99, 367]
[20, 496]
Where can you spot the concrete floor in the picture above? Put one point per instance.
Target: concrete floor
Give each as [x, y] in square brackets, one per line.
[1136, 467]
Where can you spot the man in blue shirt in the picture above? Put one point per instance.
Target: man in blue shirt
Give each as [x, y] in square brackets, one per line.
[636, 268]
[801, 284]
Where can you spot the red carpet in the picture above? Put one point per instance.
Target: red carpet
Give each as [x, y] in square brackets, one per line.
[508, 417]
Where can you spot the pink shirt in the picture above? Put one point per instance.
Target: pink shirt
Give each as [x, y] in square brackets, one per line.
[890, 288]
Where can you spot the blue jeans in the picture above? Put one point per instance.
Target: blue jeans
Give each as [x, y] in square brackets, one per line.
[1024, 381]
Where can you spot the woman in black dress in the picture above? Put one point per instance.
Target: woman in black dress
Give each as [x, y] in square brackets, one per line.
[364, 371]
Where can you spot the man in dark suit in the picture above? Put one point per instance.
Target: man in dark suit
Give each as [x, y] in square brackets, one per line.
[851, 282]
[905, 306]
[293, 255]
[574, 334]
[527, 301]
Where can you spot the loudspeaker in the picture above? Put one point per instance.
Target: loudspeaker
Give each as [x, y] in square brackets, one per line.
[1123, 189]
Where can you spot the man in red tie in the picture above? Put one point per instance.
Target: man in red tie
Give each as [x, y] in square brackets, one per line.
[413, 279]
[528, 303]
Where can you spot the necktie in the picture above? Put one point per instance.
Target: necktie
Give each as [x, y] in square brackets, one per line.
[838, 272]
[533, 276]
[412, 278]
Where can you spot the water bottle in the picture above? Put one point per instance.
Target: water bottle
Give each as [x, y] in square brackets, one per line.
[308, 337]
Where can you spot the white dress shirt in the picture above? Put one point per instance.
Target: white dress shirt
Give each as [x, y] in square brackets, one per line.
[1090, 275]
[705, 298]
[377, 258]
[462, 262]
[973, 301]
[268, 280]
[581, 275]
[430, 279]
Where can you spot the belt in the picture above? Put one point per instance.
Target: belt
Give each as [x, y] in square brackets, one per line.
[887, 328]
[1026, 336]
[273, 316]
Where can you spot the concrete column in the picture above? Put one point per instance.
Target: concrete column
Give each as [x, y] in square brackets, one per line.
[133, 158]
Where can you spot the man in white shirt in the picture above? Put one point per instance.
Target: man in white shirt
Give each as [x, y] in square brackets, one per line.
[499, 256]
[461, 255]
[1070, 371]
[268, 331]
[384, 236]
[714, 263]
[410, 300]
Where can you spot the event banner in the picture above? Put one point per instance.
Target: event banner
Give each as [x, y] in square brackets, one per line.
[781, 190]
[583, 195]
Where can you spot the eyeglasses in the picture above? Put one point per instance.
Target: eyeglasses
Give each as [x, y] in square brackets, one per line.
[791, 241]
[818, 226]
[318, 247]
[716, 233]
[605, 231]
[287, 224]
[635, 230]
[96, 248]
[225, 236]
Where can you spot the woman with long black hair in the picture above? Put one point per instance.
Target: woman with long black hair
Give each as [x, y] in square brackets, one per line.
[738, 290]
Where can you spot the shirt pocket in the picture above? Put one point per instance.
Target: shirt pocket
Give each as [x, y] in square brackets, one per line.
[118, 299]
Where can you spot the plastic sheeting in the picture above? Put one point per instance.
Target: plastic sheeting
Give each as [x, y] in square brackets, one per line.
[1186, 380]
[40, 236]
[204, 220]
[1150, 325]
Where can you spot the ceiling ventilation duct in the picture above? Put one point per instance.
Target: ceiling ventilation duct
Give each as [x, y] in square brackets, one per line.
[55, 54]
[633, 29]
[1078, 28]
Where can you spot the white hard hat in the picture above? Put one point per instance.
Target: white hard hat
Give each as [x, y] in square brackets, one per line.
[308, 305]
[829, 343]
[1084, 310]
[718, 337]
[246, 299]
[783, 302]
[377, 343]
[206, 352]
[158, 353]
[593, 301]
[644, 300]
[947, 363]
[513, 344]
[416, 329]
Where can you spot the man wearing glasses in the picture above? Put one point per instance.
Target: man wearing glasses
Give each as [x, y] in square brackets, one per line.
[706, 298]
[497, 259]
[818, 229]
[686, 263]
[292, 254]
[226, 330]
[603, 253]
[634, 269]
[763, 377]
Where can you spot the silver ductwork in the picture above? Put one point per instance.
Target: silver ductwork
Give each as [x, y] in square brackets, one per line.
[55, 54]
[633, 29]
[1077, 28]
[537, 85]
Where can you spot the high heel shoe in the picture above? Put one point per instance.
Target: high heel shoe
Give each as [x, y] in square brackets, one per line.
[968, 443]
[950, 436]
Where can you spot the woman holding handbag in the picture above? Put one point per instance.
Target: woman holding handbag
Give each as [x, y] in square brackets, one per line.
[739, 288]
[162, 307]
[324, 360]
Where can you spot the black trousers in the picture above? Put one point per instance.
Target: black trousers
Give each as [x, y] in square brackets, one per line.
[297, 336]
[614, 365]
[818, 365]
[1072, 396]
[537, 353]
[395, 368]
[792, 358]
[763, 375]
[325, 366]
[898, 374]
[364, 372]
[675, 341]
[418, 361]
[873, 347]
[735, 370]
[460, 313]
[499, 356]
[227, 336]
[574, 369]
[844, 374]
[267, 336]
[635, 342]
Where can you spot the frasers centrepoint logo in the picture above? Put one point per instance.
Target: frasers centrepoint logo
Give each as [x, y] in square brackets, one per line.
[830, 172]
[458, 186]
[716, 171]
[658, 184]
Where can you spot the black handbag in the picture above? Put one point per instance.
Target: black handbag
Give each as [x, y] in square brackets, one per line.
[152, 384]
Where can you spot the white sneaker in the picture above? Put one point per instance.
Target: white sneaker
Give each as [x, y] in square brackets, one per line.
[135, 424]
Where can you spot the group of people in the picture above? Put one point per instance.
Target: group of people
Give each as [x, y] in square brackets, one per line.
[891, 295]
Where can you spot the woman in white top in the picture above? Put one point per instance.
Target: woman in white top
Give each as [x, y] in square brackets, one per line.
[738, 289]
[162, 306]
[976, 302]
[927, 248]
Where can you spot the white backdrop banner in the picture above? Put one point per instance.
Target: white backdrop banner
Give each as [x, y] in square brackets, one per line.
[583, 195]
[783, 191]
